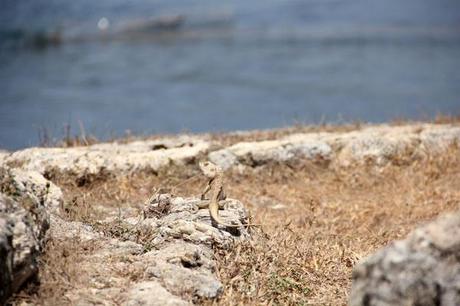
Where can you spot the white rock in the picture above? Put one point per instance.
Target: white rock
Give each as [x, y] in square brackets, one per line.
[151, 293]
[435, 140]
[112, 157]
[35, 185]
[423, 269]
[298, 146]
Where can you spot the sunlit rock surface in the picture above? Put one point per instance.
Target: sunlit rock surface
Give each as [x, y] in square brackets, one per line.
[174, 258]
[423, 269]
[379, 145]
[110, 157]
[24, 220]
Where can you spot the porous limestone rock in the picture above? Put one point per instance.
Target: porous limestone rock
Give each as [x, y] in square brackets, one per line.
[69, 230]
[297, 146]
[439, 138]
[23, 224]
[26, 200]
[423, 269]
[151, 293]
[109, 157]
[33, 184]
[185, 221]
[6, 257]
[184, 267]
[376, 144]
[165, 256]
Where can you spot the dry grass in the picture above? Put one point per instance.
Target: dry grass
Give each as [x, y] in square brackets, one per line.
[318, 222]
[331, 219]
[70, 138]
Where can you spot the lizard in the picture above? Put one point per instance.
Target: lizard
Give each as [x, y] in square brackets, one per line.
[216, 186]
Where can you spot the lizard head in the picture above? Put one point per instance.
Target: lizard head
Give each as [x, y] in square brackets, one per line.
[209, 169]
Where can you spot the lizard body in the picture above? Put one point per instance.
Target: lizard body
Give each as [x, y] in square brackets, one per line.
[216, 187]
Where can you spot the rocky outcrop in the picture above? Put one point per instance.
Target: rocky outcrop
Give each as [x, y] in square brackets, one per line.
[167, 253]
[6, 256]
[297, 146]
[33, 185]
[376, 144]
[423, 269]
[152, 293]
[167, 249]
[24, 219]
[110, 157]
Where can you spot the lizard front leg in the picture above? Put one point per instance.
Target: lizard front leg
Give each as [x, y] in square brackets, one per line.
[205, 191]
[221, 198]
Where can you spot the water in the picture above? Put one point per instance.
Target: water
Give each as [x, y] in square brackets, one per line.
[238, 65]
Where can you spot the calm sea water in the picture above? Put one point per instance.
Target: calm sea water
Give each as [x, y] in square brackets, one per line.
[224, 66]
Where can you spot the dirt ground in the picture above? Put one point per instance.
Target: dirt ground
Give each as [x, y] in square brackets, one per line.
[317, 220]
